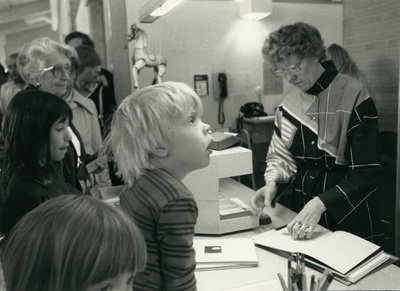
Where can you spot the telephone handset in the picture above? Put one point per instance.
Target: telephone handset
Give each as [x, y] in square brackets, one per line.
[223, 90]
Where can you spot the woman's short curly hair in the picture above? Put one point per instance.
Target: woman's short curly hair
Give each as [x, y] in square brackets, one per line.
[299, 38]
[32, 56]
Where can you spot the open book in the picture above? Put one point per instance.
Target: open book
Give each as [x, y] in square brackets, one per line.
[214, 254]
[348, 256]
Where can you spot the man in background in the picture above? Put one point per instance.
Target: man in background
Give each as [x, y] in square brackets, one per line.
[77, 38]
[103, 92]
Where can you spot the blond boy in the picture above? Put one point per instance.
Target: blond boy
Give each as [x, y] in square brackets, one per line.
[157, 138]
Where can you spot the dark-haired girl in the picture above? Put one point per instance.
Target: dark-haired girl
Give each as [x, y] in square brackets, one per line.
[36, 139]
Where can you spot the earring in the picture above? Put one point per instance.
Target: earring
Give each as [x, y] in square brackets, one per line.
[37, 84]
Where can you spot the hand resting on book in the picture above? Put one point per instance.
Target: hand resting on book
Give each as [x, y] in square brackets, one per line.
[303, 225]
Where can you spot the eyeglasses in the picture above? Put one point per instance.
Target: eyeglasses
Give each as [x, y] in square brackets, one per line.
[291, 70]
[58, 70]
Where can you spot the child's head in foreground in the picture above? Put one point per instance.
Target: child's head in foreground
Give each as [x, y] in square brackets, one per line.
[73, 243]
[160, 127]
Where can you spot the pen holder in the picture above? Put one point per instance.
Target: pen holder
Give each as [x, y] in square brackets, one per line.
[297, 279]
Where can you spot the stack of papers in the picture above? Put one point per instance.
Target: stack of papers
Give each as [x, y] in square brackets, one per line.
[216, 254]
[348, 256]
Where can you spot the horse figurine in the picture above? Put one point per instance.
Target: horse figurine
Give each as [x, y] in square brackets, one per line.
[141, 58]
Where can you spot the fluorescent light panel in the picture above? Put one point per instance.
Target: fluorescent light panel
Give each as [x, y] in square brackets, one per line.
[154, 9]
[255, 9]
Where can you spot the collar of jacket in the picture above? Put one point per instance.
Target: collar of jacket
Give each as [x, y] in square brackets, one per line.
[325, 79]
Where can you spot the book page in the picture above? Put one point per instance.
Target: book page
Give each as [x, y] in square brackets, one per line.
[281, 240]
[368, 267]
[376, 262]
[218, 266]
[341, 250]
[222, 251]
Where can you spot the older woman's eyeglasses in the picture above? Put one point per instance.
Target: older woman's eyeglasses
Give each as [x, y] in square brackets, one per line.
[291, 70]
[58, 70]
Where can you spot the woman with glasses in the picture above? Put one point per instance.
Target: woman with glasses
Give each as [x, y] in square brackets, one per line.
[325, 145]
[45, 65]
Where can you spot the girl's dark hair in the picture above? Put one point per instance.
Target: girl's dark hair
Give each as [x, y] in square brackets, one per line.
[28, 121]
[88, 57]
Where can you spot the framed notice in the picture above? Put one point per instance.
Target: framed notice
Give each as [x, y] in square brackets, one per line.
[272, 84]
[201, 85]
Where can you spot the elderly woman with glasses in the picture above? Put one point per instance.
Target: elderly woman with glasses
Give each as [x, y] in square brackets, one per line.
[45, 65]
[324, 158]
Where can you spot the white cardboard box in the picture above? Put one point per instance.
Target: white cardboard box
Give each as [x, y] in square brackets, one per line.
[211, 184]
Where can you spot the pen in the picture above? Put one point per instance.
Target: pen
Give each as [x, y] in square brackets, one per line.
[312, 283]
[298, 271]
[298, 267]
[284, 288]
[323, 278]
[318, 283]
[303, 273]
[294, 283]
[324, 285]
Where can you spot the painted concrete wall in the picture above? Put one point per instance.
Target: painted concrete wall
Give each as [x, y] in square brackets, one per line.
[208, 37]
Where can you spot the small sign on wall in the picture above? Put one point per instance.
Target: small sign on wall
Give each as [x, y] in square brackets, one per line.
[201, 85]
[272, 84]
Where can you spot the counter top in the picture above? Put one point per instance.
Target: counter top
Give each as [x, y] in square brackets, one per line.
[264, 277]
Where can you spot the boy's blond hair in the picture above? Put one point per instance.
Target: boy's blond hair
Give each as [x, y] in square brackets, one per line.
[142, 124]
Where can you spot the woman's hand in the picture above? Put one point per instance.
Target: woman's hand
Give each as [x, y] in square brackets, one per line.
[263, 198]
[304, 224]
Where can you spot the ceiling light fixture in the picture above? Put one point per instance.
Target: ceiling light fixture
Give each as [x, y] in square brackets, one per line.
[154, 9]
[255, 9]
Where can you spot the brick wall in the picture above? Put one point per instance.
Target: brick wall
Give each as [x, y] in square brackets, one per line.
[371, 34]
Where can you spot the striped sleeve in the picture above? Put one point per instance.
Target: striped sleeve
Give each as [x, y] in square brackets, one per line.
[281, 166]
[175, 232]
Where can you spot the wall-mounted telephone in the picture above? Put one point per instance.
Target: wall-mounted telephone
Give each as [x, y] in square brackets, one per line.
[223, 94]
[223, 90]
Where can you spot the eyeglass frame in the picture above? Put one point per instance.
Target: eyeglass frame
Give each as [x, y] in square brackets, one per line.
[67, 68]
[282, 72]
